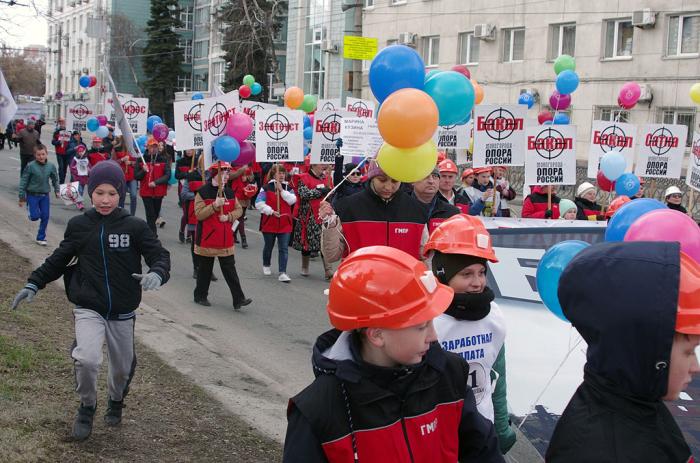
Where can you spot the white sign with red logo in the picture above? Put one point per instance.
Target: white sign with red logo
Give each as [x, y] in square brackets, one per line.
[188, 124]
[360, 136]
[135, 111]
[279, 135]
[550, 158]
[661, 150]
[249, 108]
[77, 114]
[361, 108]
[609, 136]
[332, 104]
[452, 136]
[214, 115]
[326, 132]
[692, 177]
[499, 135]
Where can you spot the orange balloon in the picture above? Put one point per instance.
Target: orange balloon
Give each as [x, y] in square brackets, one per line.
[478, 92]
[408, 118]
[293, 97]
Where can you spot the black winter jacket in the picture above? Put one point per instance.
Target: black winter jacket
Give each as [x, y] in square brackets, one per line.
[109, 249]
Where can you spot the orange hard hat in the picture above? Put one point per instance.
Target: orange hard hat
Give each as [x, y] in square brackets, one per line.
[448, 166]
[482, 170]
[461, 234]
[151, 142]
[616, 204]
[250, 190]
[441, 156]
[467, 172]
[688, 315]
[96, 139]
[218, 165]
[383, 287]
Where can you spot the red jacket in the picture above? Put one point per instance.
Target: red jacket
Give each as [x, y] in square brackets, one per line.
[96, 156]
[158, 172]
[535, 205]
[128, 169]
[268, 198]
[193, 185]
[211, 232]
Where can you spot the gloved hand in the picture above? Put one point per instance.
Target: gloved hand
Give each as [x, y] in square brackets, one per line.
[506, 439]
[339, 143]
[548, 214]
[148, 281]
[28, 293]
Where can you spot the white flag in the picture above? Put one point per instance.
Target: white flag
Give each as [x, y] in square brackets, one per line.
[8, 107]
[217, 91]
[122, 123]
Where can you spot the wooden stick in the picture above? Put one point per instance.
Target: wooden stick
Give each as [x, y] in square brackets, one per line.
[278, 186]
[691, 201]
[194, 155]
[549, 198]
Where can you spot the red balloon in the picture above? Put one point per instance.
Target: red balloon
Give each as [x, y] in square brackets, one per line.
[604, 183]
[624, 106]
[462, 69]
[544, 116]
[93, 81]
[244, 91]
[247, 154]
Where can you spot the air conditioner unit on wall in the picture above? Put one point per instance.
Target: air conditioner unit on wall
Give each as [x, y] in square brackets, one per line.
[485, 31]
[647, 94]
[644, 18]
[407, 38]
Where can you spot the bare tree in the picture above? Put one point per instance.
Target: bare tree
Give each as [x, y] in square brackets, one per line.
[24, 75]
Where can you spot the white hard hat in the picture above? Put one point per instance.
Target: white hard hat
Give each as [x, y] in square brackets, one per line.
[672, 190]
[583, 188]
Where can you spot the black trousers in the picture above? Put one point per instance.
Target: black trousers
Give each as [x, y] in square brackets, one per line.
[24, 160]
[205, 265]
[152, 206]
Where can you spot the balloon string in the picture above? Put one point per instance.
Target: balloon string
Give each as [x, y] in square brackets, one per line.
[345, 178]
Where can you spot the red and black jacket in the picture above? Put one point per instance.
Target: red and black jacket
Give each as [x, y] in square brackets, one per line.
[95, 156]
[127, 169]
[368, 220]
[421, 413]
[183, 166]
[57, 141]
[461, 200]
[535, 205]
[587, 210]
[269, 223]
[211, 232]
[158, 173]
[194, 183]
[438, 211]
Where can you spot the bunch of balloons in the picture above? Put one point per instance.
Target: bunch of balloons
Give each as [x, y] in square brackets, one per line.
[249, 87]
[234, 147]
[629, 95]
[612, 175]
[98, 125]
[294, 98]
[87, 81]
[566, 83]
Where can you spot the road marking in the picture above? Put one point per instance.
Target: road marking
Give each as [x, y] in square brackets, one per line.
[684, 396]
[13, 158]
[683, 408]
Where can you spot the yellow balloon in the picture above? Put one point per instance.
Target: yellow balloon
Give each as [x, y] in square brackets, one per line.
[695, 93]
[408, 165]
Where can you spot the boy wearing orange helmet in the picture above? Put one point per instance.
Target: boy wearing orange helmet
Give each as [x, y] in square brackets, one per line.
[473, 326]
[384, 390]
[641, 351]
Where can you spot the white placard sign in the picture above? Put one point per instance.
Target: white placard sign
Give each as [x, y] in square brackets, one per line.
[360, 137]
[249, 108]
[77, 114]
[609, 136]
[550, 158]
[661, 150]
[332, 104]
[326, 132]
[279, 135]
[361, 108]
[499, 135]
[188, 124]
[215, 114]
[135, 111]
[452, 136]
[692, 177]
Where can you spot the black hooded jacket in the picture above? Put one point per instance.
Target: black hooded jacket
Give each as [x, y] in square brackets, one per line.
[616, 414]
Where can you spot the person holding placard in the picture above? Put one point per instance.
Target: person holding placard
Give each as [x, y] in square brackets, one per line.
[504, 189]
[541, 203]
[485, 200]
[154, 177]
[588, 208]
[673, 197]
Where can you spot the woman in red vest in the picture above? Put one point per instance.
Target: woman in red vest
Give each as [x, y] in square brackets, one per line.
[276, 205]
[127, 163]
[154, 178]
[241, 186]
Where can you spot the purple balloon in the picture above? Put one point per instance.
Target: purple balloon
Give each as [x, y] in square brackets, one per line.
[160, 132]
[247, 154]
[102, 119]
[559, 102]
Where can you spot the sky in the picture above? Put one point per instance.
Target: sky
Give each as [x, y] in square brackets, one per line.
[23, 24]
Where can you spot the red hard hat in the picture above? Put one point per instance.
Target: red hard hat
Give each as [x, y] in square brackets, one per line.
[441, 157]
[688, 315]
[250, 190]
[467, 172]
[616, 204]
[218, 165]
[383, 287]
[482, 170]
[96, 139]
[448, 166]
[461, 234]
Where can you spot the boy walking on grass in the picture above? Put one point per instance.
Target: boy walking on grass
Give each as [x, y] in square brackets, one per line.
[34, 188]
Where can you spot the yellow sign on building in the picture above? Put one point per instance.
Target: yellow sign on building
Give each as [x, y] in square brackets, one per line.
[363, 48]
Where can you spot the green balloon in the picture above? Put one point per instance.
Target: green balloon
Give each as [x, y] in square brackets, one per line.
[309, 104]
[248, 80]
[563, 63]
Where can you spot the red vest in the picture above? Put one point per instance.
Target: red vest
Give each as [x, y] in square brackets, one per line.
[155, 171]
[194, 185]
[312, 182]
[270, 223]
[128, 170]
[96, 157]
[214, 233]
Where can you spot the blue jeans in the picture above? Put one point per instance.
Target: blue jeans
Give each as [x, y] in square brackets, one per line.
[131, 188]
[282, 248]
[38, 206]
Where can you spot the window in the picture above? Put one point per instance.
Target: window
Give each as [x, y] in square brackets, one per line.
[562, 40]
[683, 31]
[431, 50]
[218, 72]
[397, 2]
[318, 17]
[186, 17]
[513, 44]
[618, 38]
[369, 3]
[186, 45]
[201, 15]
[201, 49]
[611, 114]
[201, 82]
[391, 42]
[682, 116]
[468, 48]
[318, 35]
[184, 82]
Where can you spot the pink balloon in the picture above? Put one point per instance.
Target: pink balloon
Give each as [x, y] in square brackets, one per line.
[629, 94]
[667, 225]
[160, 132]
[311, 118]
[102, 119]
[558, 101]
[247, 154]
[239, 126]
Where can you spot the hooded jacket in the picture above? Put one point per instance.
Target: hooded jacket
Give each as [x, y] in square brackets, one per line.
[587, 210]
[616, 414]
[420, 413]
[535, 204]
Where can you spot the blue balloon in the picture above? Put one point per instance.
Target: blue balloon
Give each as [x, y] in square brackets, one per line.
[308, 133]
[465, 120]
[256, 89]
[567, 82]
[627, 214]
[560, 119]
[549, 270]
[102, 131]
[226, 148]
[453, 94]
[526, 99]
[152, 121]
[431, 73]
[92, 124]
[307, 121]
[307, 149]
[141, 142]
[171, 135]
[393, 68]
[197, 96]
[627, 185]
[549, 122]
[613, 165]
[84, 81]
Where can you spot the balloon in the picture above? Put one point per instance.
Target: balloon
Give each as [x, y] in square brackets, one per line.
[462, 69]
[244, 91]
[478, 92]
[629, 95]
[293, 97]
[526, 99]
[102, 119]
[408, 164]
[667, 225]
[453, 94]
[549, 271]
[564, 63]
[560, 119]
[102, 131]
[308, 133]
[226, 148]
[141, 142]
[627, 185]
[93, 81]
[622, 105]
[172, 180]
[604, 183]
[465, 120]
[311, 119]
[239, 126]
[197, 96]
[309, 104]
[160, 132]
[357, 160]
[544, 116]
[307, 149]
[152, 121]
[92, 124]
[408, 118]
[549, 122]
[171, 135]
[256, 89]
[307, 121]
[695, 93]
[627, 214]
[247, 153]
[393, 68]
[612, 165]
[567, 82]
[84, 81]
[248, 80]
[431, 73]
[558, 101]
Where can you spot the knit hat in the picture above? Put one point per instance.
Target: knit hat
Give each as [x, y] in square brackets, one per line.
[374, 170]
[445, 266]
[565, 205]
[584, 188]
[107, 172]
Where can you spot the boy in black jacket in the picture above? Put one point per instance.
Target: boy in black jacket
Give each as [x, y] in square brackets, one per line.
[104, 285]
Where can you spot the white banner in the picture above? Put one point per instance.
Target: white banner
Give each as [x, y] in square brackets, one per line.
[279, 135]
[332, 104]
[661, 150]
[8, 107]
[326, 132]
[135, 111]
[609, 136]
[692, 176]
[249, 108]
[77, 114]
[452, 136]
[188, 124]
[214, 114]
[360, 137]
[361, 108]
[499, 135]
[550, 158]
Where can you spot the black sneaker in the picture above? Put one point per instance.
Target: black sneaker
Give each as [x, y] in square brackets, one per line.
[194, 274]
[82, 426]
[244, 243]
[114, 412]
[181, 237]
[243, 303]
[205, 302]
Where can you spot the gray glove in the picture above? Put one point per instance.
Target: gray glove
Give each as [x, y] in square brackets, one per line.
[148, 281]
[28, 293]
